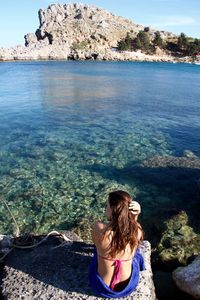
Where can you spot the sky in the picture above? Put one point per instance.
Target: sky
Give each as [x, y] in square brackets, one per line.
[18, 17]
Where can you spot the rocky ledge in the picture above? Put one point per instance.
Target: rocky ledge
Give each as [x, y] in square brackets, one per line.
[80, 32]
[51, 272]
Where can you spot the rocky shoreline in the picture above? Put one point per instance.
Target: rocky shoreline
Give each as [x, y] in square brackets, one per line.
[60, 271]
[61, 52]
[55, 266]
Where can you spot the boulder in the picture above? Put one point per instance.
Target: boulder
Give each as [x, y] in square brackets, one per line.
[5, 241]
[188, 278]
[30, 38]
[5, 245]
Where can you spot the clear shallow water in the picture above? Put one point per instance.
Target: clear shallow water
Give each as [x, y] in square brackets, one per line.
[72, 131]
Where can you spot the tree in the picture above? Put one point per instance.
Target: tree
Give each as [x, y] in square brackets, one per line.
[194, 47]
[128, 40]
[138, 44]
[144, 39]
[158, 41]
[197, 42]
[125, 44]
[182, 41]
[122, 45]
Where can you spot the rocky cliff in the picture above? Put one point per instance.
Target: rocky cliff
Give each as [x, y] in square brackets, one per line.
[80, 25]
[79, 31]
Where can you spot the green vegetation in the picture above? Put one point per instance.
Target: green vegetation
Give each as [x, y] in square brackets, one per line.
[158, 41]
[125, 44]
[194, 47]
[183, 46]
[143, 39]
[188, 46]
[182, 41]
[80, 46]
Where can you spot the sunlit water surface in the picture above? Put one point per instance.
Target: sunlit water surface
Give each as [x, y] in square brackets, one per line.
[70, 132]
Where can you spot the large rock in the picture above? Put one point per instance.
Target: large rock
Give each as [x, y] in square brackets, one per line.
[61, 273]
[189, 160]
[188, 278]
[30, 38]
[79, 22]
[5, 245]
[179, 242]
[67, 28]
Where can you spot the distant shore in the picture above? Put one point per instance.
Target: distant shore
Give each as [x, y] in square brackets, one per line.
[50, 52]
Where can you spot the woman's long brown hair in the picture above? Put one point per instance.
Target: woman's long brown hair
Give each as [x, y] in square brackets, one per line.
[123, 223]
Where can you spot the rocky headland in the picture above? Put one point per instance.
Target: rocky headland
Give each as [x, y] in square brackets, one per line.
[81, 32]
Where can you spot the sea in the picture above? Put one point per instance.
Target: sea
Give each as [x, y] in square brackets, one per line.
[72, 131]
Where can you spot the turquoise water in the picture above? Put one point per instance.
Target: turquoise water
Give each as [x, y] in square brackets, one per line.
[70, 132]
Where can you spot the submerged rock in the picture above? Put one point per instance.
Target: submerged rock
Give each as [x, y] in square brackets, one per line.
[188, 278]
[188, 160]
[179, 242]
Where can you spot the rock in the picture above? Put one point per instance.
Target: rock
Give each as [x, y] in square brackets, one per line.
[5, 241]
[5, 245]
[78, 22]
[188, 278]
[189, 153]
[60, 273]
[36, 52]
[179, 242]
[64, 25]
[159, 51]
[30, 38]
[189, 160]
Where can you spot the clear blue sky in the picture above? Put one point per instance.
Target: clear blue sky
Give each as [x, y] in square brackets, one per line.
[18, 17]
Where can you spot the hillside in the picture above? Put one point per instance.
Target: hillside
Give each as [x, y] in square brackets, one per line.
[80, 31]
[72, 24]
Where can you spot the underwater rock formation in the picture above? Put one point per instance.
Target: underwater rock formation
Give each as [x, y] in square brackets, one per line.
[179, 242]
[188, 160]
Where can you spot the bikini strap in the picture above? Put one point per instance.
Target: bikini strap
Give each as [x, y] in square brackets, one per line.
[117, 268]
[121, 260]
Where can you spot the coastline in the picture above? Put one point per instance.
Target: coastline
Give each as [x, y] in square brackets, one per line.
[76, 31]
[58, 267]
[51, 52]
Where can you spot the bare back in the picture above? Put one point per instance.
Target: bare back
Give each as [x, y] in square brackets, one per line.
[106, 267]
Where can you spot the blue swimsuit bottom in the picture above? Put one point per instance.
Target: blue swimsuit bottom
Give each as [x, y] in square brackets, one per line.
[103, 290]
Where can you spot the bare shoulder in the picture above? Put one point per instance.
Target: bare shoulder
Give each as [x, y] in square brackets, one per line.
[98, 229]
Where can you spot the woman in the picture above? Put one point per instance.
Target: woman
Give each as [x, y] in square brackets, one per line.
[115, 266]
